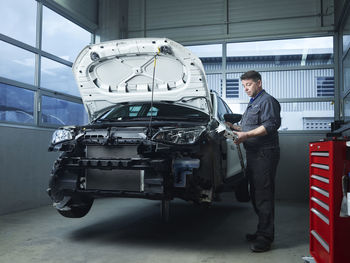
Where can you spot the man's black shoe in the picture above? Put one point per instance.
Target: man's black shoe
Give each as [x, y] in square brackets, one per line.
[260, 244]
[251, 237]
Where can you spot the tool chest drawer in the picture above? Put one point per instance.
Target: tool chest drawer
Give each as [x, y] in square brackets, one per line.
[329, 233]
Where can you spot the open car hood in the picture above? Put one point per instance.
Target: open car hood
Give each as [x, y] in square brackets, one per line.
[122, 71]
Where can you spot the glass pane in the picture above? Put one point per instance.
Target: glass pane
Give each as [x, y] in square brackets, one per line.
[346, 35]
[300, 115]
[62, 37]
[280, 53]
[58, 77]
[293, 83]
[307, 115]
[211, 55]
[347, 107]
[16, 63]
[16, 104]
[346, 41]
[62, 112]
[237, 107]
[346, 72]
[214, 83]
[18, 20]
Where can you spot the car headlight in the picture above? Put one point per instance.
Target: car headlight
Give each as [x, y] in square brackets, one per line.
[61, 135]
[179, 136]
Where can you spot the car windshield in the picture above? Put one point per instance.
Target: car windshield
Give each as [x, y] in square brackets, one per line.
[143, 111]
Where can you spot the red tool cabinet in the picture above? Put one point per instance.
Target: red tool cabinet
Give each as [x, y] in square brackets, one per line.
[329, 233]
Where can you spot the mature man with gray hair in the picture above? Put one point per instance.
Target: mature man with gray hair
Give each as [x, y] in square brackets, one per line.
[259, 135]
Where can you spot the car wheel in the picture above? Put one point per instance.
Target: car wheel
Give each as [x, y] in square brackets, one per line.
[76, 210]
[242, 192]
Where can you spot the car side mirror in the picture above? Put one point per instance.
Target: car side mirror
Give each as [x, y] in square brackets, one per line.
[233, 118]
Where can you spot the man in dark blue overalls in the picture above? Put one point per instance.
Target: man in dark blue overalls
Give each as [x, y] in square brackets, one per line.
[258, 133]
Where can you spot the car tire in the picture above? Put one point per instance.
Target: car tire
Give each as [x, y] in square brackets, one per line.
[77, 210]
[242, 191]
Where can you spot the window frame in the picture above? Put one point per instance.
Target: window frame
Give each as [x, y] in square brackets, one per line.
[224, 71]
[60, 97]
[36, 49]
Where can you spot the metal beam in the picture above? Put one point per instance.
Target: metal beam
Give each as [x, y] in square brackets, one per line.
[269, 69]
[34, 50]
[337, 82]
[286, 100]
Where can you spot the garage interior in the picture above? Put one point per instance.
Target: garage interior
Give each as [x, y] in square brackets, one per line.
[40, 40]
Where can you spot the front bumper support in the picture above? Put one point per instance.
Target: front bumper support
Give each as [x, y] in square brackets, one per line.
[117, 163]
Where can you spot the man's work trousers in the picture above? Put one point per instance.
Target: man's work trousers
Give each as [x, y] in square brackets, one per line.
[261, 172]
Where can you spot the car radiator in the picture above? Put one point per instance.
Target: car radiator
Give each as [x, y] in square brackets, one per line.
[113, 179]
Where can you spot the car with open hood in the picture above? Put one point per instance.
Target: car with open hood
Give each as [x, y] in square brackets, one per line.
[156, 131]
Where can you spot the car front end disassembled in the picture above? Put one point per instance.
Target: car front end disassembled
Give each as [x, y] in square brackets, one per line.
[153, 130]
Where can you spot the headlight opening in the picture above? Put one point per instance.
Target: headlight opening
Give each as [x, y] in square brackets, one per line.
[179, 136]
[61, 135]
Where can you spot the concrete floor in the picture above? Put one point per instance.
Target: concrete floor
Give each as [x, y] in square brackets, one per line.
[130, 230]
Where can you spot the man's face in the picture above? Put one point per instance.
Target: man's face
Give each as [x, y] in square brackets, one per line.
[251, 87]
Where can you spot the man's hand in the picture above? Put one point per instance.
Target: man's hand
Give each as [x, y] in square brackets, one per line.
[233, 126]
[241, 137]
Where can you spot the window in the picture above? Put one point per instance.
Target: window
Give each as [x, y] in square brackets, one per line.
[238, 108]
[290, 70]
[346, 103]
[16, 104]
[58, 77]
[24, 65]
[214, 83]
[133, 110]
[210, 55]
[280, 53]
[289, 84]
[346, 72]
[232, 88]
[18, 20]
[346, 35]
[306, 115]
[222, 110]
[325, 86]
[162, 110]
[62, 37]
[152, 112]
[300, 115]
[61, 112]
[18, 64]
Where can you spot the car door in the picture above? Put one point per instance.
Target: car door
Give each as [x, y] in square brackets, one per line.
[234, 153]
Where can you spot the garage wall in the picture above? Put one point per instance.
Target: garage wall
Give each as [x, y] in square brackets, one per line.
[202, 20]
[113, 20]
[25, 166]
[340, 7]
[292, 175]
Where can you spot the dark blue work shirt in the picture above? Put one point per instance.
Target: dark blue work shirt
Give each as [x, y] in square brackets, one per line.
[262, 110]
